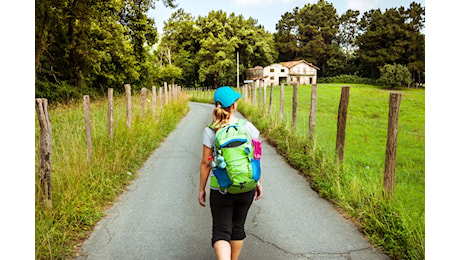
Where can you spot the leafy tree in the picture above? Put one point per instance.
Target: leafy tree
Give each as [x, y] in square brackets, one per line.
[220, 37]
[169, 73]
[415, 16]
[179, 46]
[309, 33]
[286, 37]
[256, 46]
[84, 46]
[392, 37]
[348, 32]
[215, 56]
[395, 75]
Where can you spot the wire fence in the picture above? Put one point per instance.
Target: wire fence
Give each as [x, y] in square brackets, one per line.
[367, 118]
[172, 93]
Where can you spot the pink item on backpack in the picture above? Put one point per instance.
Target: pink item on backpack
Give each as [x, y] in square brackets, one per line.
[257, 148]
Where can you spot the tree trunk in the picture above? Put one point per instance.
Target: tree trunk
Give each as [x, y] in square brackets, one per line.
[215, 80]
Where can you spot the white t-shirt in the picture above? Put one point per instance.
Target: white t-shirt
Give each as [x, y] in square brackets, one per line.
[209, 135]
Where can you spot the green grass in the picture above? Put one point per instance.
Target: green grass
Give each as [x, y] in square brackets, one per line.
[80, 191]
[396, 225]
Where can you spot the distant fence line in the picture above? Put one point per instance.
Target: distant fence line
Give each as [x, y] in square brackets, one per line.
[255, 94]
[171, 93]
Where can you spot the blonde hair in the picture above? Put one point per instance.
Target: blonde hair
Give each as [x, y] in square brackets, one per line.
[221, 116]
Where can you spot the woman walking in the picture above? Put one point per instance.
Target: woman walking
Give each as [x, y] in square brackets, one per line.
[229, 210]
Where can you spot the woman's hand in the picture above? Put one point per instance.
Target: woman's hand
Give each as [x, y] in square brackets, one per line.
[202, 198]
[259, 191]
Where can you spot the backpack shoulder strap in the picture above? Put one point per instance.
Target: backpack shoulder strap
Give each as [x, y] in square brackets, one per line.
[211, 127]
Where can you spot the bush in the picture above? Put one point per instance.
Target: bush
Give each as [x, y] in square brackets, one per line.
[352, 79]
[395, 75]
[55, 92]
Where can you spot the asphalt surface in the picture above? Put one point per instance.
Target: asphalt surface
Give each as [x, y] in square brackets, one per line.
[159, 217]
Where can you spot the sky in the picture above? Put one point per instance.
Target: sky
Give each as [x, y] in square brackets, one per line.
[267, 12]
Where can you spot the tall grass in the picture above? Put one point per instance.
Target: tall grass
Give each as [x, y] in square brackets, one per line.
[397, 225]
[81, 191]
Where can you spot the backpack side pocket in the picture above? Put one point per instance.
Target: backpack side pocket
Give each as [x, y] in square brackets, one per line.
[255, 164]
[222, 177]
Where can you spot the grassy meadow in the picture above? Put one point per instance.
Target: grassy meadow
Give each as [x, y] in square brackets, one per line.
[80, 191]
[397, 224]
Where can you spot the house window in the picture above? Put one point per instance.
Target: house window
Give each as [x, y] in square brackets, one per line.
[272, 78]
[304, 70]
[272, 70]
[282, 70]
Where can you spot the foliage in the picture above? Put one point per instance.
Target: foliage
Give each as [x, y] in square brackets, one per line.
[390, 37]
[395, 75]
[348, 45]
[80, 191]
[205, 48]
[347, 79]
[179, 46]
[348, 31]
[83, 45]
[169, 73]
[309, 33]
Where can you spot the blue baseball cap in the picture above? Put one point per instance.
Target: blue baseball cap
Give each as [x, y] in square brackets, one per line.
[226, 96]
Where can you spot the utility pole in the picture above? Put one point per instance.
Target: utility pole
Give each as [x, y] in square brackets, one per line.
[237, 70]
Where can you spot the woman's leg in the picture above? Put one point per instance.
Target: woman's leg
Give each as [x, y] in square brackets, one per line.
[222, 250]
[221, 209]
[236, 245]
[240, 211]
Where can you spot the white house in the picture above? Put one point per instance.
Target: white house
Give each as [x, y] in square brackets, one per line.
[299, 71]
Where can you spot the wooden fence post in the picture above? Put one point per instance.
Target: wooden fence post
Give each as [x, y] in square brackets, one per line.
[265, 95]
[245, 92]
[143, 97]
[249, 89]
[44, 174]
[294, 106]
[89, 141]
[160, 97]
[312, 119]
[250, 93]
[282, 102]
[154, 99]
[165, 88]
[259, 94]
[254, 94]
[176, 92]
[342, 122]
[389, 176]
[270, 104]
[129, 112]
[110, 113]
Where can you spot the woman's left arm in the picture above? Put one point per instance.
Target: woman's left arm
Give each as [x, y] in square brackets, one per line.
[205, 169]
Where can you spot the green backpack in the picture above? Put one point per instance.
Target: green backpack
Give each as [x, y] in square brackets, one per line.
[233, 162]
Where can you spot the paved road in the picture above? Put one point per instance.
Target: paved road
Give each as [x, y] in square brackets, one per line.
[159, 217]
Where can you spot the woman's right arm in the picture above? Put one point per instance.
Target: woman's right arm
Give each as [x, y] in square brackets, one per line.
[205, 169]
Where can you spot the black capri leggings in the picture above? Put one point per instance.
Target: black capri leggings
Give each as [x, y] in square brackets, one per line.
[229, 213]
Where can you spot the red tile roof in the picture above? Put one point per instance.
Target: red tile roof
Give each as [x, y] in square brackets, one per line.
[290, 64]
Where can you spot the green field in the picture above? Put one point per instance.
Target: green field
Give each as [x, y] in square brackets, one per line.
[397, 224]
[81, 191]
